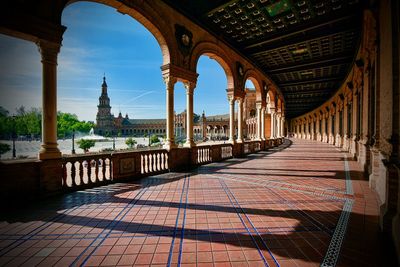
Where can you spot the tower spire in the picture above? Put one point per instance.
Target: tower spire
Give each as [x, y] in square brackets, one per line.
[104, 85]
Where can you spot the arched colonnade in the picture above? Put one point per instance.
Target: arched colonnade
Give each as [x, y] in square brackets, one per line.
[181, 42]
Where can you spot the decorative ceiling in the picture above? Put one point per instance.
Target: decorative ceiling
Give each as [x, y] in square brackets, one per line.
[306, 47]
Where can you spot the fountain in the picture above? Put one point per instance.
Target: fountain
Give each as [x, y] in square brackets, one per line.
[93, 136]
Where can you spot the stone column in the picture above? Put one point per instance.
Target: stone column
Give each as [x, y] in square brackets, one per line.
[328, 132]
[345, 130]
[240, 120]
[272, 110]
[258, 125]
[278, 124]
[170, 139]
[354, 137]
[336, 134]
[231, 119]
[189, 86]
[283, 126]
[263, 123]
[49, 148]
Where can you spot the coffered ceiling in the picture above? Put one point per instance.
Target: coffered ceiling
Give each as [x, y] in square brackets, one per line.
[306, 47]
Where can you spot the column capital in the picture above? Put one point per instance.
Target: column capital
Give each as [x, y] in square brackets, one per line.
[49, 51]
[240, 100]
[272, 110]
[189, 86]
[169, 81]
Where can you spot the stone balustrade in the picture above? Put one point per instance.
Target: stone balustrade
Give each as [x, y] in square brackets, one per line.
[33, 178]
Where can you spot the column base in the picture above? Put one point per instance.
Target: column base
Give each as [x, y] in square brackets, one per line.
[189, 144]
[239, 141]
[169, 145]
[49, 151]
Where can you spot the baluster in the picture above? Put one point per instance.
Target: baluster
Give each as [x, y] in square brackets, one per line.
[158, 165]
[166, 158]
[73, 174]
[149, 163]
[109, 164]
[200, 155]
[141, 164]
[64, 175]
[162, 161]
[146, 168]
[154, 162]
[89, 172]
[106, 169]
[81, 172]
[96, 171]
[103, 168]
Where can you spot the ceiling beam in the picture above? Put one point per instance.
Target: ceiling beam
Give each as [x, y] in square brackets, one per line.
[314, 26]
[314, 64]
[326, 90]
[215, 9]
[304, 40]
[318, 80]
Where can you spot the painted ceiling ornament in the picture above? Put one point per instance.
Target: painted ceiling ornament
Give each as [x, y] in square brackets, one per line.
[184, 39]
[239, 69]
[265, 86]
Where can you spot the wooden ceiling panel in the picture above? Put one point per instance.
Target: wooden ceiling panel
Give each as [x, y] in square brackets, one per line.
[305, 46]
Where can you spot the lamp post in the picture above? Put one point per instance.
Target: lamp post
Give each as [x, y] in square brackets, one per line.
[113, 141]
[14, 154]
[73, 142]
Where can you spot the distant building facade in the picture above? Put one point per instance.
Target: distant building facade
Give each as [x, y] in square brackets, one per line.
[211, 127]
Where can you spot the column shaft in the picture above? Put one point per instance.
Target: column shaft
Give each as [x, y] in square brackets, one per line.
[231, 119]
[272, 110]
[263, 123]
[49, 148]
[258, 129]
[170, 139]
[189, 115]
[240, 120]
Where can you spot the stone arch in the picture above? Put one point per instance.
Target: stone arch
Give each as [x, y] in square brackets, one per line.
[152, 22]
[251, 75]
[214, 52]
[271, 99]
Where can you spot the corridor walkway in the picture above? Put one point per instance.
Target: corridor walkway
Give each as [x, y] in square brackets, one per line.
[301, 204]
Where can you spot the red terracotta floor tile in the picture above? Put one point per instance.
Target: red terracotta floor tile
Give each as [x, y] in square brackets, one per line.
[285, 203]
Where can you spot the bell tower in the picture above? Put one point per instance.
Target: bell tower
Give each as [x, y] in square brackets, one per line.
[104, 119]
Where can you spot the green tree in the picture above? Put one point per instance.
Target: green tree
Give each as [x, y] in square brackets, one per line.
[154, 139]
[86, 144]
[130, 142]
[196, 117]
[5, 123]
[33, 122]
[67, 123]
[4, 148]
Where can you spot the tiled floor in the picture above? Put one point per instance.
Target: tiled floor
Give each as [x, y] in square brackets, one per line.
[289, 206]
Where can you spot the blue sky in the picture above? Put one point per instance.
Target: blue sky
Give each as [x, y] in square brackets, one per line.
[100, 40]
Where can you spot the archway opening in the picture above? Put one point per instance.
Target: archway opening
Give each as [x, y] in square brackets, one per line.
[20, 101]
[249, 111]
[110, 75]
[211, 103]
